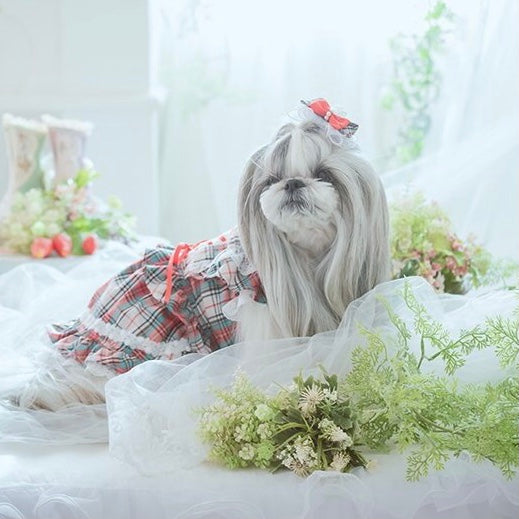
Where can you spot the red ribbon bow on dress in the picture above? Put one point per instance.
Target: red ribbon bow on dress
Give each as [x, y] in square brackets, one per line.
[179, 254]
[321, 107]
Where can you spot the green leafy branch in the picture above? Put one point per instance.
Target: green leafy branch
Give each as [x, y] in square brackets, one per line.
[404, 406]
[416, 81]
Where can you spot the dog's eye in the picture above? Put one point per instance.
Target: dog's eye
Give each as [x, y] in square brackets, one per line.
[324, 175]
[271, 179]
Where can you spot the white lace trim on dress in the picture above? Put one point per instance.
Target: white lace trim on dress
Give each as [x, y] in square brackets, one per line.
[170, 349]
[234, 253]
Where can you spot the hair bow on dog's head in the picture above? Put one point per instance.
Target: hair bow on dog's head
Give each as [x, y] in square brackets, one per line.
[321, 107]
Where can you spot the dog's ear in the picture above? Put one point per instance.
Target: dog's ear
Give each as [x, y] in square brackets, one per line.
[376, 265]
[247, 204]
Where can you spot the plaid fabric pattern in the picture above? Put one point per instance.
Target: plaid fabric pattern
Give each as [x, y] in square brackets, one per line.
[128, 320]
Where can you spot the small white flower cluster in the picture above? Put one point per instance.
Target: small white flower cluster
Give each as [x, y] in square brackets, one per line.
[334, 433]
[314, 395]
[330, 395]
[265, 431]
[247, 452]
[299, 456]
[340, 461]
[310, 398]
[241, 432]
[239, 426]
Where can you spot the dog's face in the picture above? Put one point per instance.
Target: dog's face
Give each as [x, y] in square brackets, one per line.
[299, 197]
[301, 183]
[313, 220]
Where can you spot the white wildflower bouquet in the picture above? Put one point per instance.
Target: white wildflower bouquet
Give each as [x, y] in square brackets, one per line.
[388, 400]
[305, 427]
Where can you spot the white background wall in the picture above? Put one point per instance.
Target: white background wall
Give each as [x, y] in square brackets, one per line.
[92, 60]
[228, 84]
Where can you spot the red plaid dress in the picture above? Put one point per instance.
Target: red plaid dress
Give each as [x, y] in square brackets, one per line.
[165, 305]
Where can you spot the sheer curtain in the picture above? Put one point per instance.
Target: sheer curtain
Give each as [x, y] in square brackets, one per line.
[233, 69]
[471, 161]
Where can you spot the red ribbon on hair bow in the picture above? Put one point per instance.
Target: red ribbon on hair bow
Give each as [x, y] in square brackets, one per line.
[321, 107]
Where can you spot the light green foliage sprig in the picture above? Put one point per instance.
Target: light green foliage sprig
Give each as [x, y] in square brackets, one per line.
[404, 406]
[504, 334]
[232, 426]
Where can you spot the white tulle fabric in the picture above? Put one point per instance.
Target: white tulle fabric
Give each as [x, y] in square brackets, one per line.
[154, 403]
[32, 296]
[155, 464]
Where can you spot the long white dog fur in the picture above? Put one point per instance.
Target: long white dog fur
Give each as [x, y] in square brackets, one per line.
[313, 220]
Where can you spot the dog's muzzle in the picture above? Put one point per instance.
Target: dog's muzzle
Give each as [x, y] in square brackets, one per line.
[293, 185]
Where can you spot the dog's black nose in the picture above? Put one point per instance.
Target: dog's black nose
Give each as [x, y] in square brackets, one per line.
[293, 184]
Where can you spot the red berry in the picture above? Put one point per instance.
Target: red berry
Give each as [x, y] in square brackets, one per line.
[41, 247]
[90, 244]
[62, 244]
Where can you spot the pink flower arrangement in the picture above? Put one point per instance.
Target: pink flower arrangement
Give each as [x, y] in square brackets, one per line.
[423, 244]
[66, 219]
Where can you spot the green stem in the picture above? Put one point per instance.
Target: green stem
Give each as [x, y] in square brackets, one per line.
[428, 423]
[320, 453]
[308, 428]
[281, 445]
[470, 333]
[357, 458]
[422, 352]
[290, 425]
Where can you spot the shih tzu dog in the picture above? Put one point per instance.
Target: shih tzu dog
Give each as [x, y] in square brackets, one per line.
[313, 219]
[313, 227]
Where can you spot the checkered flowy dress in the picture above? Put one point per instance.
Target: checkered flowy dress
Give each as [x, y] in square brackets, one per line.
[168, 304]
